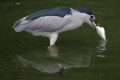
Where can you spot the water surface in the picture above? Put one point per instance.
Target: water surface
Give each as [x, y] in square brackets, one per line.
[81, 51]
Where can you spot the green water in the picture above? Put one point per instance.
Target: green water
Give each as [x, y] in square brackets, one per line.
[26, 57]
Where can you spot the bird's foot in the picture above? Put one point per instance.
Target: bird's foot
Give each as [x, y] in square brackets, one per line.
[53, 50]
[54, 47]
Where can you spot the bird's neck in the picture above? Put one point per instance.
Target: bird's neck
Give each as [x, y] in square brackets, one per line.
[80, 17]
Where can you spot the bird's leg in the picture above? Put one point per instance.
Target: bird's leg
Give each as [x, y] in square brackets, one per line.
[53, 51]
[52, 48]
[53, 38]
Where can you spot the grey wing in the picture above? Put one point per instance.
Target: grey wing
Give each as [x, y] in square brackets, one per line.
[58, 11]
[48, 23]
[48, 20]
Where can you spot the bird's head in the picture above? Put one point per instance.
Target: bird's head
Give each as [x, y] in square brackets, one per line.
[91, 20]
[100, 30]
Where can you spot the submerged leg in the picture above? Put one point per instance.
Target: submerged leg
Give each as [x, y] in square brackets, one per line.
[53, 38]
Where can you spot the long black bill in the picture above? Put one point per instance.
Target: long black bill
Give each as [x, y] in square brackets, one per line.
[94, 23]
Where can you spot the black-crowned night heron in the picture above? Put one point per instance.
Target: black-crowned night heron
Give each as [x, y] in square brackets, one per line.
[50, 22]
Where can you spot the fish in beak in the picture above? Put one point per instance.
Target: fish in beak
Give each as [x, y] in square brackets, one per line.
[98, 29]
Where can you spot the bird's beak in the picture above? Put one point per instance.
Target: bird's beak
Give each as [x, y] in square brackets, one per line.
[94, 23]
[98, 29]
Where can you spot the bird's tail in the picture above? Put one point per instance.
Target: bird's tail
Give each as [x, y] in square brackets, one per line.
[17, 23]
[20, 25]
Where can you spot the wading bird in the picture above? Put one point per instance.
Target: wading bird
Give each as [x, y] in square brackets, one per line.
[51, 22]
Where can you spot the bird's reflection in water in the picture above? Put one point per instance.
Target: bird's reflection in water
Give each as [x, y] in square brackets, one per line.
[49, 63]
[101, 46]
